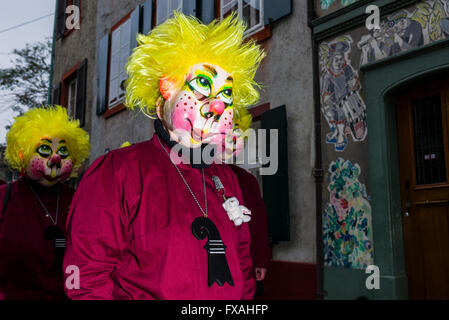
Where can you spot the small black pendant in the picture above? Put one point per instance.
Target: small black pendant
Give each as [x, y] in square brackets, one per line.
[54, 233]
[218, 268]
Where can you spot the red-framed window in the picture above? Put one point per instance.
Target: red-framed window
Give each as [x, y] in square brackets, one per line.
[119, 51]
[68, 91]
[71, 91]
[114, 50]
[250, 11]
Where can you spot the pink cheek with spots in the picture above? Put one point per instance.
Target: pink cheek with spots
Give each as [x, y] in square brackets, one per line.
[226, 120]
[66, 168]
[186, 107]
[36, 168]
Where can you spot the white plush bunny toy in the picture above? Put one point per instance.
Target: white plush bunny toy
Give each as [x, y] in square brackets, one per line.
[237, 213]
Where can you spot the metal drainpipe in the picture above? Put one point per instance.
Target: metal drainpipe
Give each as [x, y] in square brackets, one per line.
[50, 84]
[317, 170]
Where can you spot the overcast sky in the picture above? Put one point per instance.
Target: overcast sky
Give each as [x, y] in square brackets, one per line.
[13, 13]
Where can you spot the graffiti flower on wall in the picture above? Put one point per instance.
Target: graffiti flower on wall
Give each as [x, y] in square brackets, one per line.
[347, 231]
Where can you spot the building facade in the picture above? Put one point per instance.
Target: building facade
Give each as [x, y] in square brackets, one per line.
[358, 91]
[88, 78]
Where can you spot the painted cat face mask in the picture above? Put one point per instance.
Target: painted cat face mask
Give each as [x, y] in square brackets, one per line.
[50, 163]
[200, 112]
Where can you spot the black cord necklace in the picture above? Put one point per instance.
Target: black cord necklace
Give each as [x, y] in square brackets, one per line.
[218, 268]
[53, 232]
[47, 214]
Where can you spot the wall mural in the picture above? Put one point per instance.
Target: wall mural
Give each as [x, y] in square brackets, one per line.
[342, 106]
[347, 230]
[404, 30]
[325, 4]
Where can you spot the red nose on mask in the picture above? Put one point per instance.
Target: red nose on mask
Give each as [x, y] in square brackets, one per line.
[217, 107]
[56, 159]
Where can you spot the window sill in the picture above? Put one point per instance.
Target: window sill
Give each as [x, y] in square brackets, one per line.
[114, 110]
[261, 35]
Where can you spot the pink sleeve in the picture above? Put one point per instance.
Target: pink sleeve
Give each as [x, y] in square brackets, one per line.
[246, 263]
[96, 229]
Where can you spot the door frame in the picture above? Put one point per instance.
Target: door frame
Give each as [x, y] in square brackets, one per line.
[385, 81]
[414, 192]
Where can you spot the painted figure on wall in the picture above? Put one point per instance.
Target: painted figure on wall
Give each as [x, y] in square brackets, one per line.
[375, 45]
[404, 30]
[445, 22]
[408, 32]
[342, 105]
[347, 231]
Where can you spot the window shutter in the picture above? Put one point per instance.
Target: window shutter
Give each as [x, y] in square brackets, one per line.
[146, 17]
[81, 78]
[206, 11]
[275, 187]
[56, 95]
[102, 76]
[275, 10]
[189, 7]
[60, 18]
[134, 20]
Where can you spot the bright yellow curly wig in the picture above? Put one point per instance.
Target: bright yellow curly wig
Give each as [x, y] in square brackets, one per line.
[53, 121]
[243, 121]
[172, 48]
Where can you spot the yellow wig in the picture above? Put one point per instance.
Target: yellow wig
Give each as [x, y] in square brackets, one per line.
[172, 48]
[27, 131]
[243, 121]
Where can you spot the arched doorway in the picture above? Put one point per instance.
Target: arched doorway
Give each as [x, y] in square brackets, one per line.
[423, 145]
[385, 82]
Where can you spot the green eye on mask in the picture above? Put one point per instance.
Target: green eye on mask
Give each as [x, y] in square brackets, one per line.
[44, 150]
[226, 96]
[201, 84]
[63, 152]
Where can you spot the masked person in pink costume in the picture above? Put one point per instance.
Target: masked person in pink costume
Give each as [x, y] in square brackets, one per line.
[149, 221]
[260, 248]
[47, 148]
[258, 226]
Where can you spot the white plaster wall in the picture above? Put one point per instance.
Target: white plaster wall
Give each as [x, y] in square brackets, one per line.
[286, 75]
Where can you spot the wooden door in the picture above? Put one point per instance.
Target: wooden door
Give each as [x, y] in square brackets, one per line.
[422, 119]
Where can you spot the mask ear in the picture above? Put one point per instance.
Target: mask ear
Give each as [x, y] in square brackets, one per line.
[167, 87]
